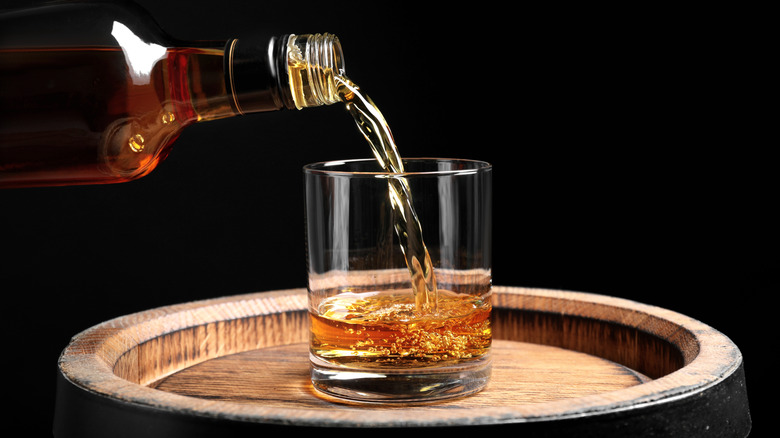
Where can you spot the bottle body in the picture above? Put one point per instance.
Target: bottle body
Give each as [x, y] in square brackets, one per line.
[63, 133]
[105, 102]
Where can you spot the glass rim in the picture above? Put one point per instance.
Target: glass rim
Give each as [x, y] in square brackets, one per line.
[322, 168]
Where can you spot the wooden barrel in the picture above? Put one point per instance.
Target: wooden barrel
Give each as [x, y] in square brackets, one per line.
[564, 364]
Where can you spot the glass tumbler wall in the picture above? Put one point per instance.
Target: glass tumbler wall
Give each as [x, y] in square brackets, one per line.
[383, 327]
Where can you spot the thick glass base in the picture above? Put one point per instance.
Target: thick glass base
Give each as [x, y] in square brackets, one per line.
[410, 385]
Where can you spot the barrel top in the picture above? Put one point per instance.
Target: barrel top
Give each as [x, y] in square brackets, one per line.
[609, 357]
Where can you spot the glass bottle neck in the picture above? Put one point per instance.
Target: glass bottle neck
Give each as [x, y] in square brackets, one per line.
[313, 63]
[291, 71]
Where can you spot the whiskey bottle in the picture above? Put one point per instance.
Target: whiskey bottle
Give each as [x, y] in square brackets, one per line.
[95, 93]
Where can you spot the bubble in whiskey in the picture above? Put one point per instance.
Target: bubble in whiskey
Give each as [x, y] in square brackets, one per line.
[168, 117]
[136, 143]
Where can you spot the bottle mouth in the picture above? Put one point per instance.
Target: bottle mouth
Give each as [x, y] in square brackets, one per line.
[314, 61]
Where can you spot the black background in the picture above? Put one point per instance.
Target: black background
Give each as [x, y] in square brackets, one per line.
[627, 162]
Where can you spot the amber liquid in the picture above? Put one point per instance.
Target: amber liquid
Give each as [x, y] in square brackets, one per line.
[88, 115]
[385, 329]
[421, 327]
[407, 226]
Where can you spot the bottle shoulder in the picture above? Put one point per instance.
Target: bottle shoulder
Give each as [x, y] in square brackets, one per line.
[73, 24]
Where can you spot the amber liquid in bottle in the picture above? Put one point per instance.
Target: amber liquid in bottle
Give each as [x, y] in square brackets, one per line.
[91, 115]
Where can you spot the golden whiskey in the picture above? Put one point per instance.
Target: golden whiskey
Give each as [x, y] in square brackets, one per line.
[375, 129]
[385, 329]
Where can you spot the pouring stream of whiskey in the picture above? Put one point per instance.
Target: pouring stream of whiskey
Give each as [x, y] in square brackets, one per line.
[372, 124]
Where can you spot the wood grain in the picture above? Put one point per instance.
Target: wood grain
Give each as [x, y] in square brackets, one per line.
[560, 357]
[522, 374]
